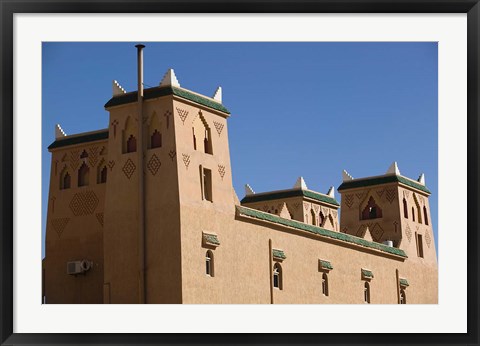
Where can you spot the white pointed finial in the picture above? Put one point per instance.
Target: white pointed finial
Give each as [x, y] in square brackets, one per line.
[248, 190]
[393, 169]
[421, 179]
[218, 94]
[346, 176]
[59, 133]
[331, 192]
[169, 79]
[300, 184]
[117, 89]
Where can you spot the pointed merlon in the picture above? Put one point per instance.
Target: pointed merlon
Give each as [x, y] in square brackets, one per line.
[331, 192]
[170, 79]
[117, 89]
[248, 190]
[59, 133]
[346, 176]
[421, 179]
[300, 184]
[218, 95]
[393, 169]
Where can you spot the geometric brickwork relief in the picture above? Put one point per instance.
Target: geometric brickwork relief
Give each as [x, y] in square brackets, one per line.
[59, 225]
[265, 208]
[376, 232]
[349, 200]
[154, 164]
[219, 127]
[380, 193]
[221, 170]
[316, 208]
[361, 231]
[84, 203]
[428, 239]
[99, 218]
[93, 157]
[334, 213]
[408, 232]
[359, 195]
[114, 124]
[306, 206]
[128, 168]
[110, 165]
[74, 159]
[296, 205]
[325, 211]
[182, 113]
[186, 160]
[167, 116]
[406, 194]
[390, 195]
[103, 151]
[172, 154]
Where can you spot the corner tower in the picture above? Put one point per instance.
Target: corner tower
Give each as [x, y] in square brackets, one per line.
[389, 208]
[186, 181]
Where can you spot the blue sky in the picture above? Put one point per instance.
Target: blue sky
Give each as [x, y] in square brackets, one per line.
[298, 109]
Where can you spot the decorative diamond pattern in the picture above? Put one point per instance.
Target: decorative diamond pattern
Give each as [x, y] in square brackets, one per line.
[129, 168]
[84, 203]
[154, 164]
[59, 225]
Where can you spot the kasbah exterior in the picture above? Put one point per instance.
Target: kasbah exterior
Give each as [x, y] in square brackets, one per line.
[175, 231]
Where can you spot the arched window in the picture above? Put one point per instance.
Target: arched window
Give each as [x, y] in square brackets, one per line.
[83, 175]
[325, 284]
[131, 144]
[366, 293]
[403, 297]
[102, 175]
[277, 276]
[314, 219]
[425, 215]
[413, 214]
[321, 219]
[372, 210]
[419, 209]
[65, 180]
[156, 139]
[405, 209]
[194, 139]
[209, 263]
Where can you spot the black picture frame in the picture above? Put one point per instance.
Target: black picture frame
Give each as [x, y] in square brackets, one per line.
[10, 7]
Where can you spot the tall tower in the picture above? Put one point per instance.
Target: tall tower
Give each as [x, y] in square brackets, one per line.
[186, 183]
[390, 208]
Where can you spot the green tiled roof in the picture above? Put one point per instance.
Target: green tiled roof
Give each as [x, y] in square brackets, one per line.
[278, 254]
[155, 92]
[211, 239]
[351, 184]
[326, 265]
[404, 282]
[88, 137]
[268, 196]
[318, 230]
[367, 274]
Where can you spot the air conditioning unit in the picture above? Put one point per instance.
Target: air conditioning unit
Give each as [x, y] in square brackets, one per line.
[78, 267]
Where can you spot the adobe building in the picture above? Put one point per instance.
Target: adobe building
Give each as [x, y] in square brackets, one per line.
[144, 211]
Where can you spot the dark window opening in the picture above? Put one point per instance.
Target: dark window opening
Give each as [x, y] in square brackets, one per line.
[156, 140]
[325, 284]
[405, 208]
[413, 214]
[209, 263]
[420, 245]
[277, 276]
[103, 175]
[83, 155]
[366, 293]
[403, 297]
[372, 210]
[65, 182]
[131, 144]
[425, 215]
[194, 139]
[83, 175]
